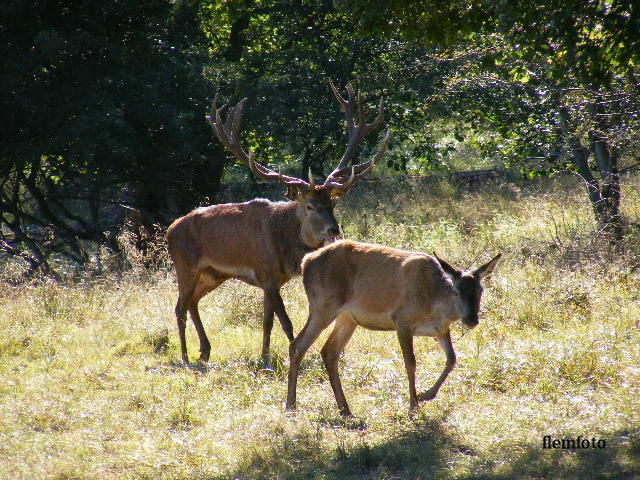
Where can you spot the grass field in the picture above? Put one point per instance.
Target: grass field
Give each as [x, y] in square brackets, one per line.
[92, 386]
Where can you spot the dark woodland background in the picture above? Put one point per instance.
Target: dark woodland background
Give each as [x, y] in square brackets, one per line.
[102, 103]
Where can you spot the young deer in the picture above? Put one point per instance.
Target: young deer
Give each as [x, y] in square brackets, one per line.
[382, 288]
[261, 242]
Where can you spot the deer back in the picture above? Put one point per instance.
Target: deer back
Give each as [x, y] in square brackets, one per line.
[237, 239]
[377, 283]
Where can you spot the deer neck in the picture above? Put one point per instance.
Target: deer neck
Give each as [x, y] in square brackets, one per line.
[288, 232]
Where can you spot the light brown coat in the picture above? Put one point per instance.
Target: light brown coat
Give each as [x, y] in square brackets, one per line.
[259, 242]
[382, 288]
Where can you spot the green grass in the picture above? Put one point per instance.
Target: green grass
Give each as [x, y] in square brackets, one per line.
[92, 387]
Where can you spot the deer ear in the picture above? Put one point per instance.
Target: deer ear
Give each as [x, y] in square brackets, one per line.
[451, 272]
[292, 193]
[486, 269]
[337, 193]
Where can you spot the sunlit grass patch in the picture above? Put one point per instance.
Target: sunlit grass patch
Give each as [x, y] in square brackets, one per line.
[93, 386]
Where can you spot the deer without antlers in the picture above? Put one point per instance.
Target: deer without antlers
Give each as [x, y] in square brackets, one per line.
[261, 242]
[382, 288]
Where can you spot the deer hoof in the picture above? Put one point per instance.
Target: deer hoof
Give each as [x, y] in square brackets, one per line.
[428, 395]
[346, 413]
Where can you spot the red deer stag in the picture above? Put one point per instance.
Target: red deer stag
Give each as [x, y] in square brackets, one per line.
[261, 242]
[382, 288]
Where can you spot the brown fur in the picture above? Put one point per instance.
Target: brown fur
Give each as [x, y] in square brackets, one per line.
[259, 242]
[382, 288]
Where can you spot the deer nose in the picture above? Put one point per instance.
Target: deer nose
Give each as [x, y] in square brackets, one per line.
[471, 321]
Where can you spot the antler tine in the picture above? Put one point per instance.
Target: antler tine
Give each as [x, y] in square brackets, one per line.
[236, 113]
[341, 101]
[361, 120]
[228, 132]
[214, 115]
[362, 168]
[229, 135]
[356, 171]
[228, 124]
[380, 117]
[355, 133]
[265, 173]
[349, 112]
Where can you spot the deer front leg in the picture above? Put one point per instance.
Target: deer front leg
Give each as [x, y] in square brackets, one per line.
[405, 337]
[447, 346]
[273, 295]
[297, 350]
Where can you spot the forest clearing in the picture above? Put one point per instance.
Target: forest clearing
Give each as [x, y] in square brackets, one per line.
[146, 246]
[93, 385]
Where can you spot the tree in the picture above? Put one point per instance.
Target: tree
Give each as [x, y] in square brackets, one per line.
[102, 107]
[570, 69]
[281, 54]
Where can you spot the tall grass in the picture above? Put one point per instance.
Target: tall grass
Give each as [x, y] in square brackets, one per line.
[92, 386]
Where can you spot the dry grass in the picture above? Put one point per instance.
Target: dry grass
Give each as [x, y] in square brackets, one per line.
[92, 386]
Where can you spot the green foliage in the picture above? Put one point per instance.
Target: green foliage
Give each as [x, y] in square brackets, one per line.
[285, 54]
[104, 105]
[107, 93]
[102, 113]
[592, 39]
[550, 83]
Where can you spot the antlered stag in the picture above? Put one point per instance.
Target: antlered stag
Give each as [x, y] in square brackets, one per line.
[382, 288]
[261, 242]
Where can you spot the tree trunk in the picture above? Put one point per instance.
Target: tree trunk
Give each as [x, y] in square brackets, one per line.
[236, 44]
[606, 158]
[604, 194]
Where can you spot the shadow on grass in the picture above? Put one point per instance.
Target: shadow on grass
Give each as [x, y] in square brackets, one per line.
[277, 367]
[425, 451]
[420, 451]
[177, 365]
[619, 460]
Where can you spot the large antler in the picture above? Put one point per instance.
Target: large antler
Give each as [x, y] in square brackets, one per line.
[355, 135]
[229, 135]
[336, 178]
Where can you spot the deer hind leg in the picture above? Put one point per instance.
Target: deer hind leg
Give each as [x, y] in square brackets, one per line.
[299, 346]
[207, 282]
[342, 331]
[447, 346]
[205, 346]
[272, 294]
[186, 287]
[267, 325]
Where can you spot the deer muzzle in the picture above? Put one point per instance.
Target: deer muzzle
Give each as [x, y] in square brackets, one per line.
[470, 321]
